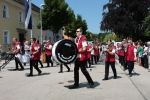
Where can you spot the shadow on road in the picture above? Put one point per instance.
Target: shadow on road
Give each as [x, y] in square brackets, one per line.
[36, 74]
[84, 84]
[112, 77]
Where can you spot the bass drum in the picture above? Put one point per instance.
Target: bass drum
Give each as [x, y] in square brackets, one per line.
[64, 51]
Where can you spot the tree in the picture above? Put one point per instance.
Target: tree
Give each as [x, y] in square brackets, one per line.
[147, 24]
[55, 15]
[112, 37]
[124, 17]
[78, 22]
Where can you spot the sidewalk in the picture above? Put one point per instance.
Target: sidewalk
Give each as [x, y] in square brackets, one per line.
[52, 85]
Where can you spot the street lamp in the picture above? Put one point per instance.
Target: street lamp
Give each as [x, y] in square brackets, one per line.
[41, 19]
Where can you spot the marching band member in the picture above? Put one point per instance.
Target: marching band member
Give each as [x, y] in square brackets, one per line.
[61, 68]
[130, 56]
[40, 51]
[96, 52]
[81, 42]
[34, 57]
[92, 53]
[89, 49]
[110, 60]
[48, 51]
[17, 52]
[26, 56]
[122, 54]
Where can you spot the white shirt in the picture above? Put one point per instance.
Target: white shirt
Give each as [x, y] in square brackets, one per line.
[146, 48]
[135, 50]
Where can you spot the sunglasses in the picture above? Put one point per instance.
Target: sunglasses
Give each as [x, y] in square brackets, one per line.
[77, 31]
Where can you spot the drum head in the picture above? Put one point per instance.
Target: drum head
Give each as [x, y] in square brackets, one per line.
[64, 51]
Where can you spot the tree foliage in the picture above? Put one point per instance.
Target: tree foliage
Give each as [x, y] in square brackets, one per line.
[147, 24]
[70, 29]
[125, 17]
[55, 14]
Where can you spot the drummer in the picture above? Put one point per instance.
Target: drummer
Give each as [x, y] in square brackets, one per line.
[16, 51]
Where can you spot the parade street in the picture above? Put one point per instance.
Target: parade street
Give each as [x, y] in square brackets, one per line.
[51, 85]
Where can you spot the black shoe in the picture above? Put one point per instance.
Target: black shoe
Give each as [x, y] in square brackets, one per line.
[91, 85]
[89, 65]
[41, 66]
[60, 72]
[15, 69]
[74, 87]
[30, 75]
[124, 69]
[130, 75]
[21, 69]
[105, 79]
[47, 66]
[40, 73]
[115, 77]
[69, 70]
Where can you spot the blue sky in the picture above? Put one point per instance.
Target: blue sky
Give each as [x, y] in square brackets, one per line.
[91, 11]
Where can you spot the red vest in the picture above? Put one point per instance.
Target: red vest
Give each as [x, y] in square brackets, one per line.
[39, 53]
[121, 53]
[48, 51]
[130, 53]
[110, 58]
[17, 51]
[89, 52]
[96, 50]
[35, 56]
[82, 56]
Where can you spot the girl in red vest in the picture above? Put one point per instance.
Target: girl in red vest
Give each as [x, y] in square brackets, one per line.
[48, 52]
[89, 49]
[17, 52]
[110, 60]
[40, 51]
[130, 56]
[34, 57]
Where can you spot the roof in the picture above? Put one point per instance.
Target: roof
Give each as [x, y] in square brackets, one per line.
[34, 7]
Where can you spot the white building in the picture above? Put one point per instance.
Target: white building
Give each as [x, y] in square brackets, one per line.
[50, 36]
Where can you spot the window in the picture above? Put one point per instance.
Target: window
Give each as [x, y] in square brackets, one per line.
[6, 37]
[20, 16]
[45, 37]
[4, 11]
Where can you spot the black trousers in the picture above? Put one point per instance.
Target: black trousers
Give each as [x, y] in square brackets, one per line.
[130, 66]
[112, 64]
[34, 63]
[145, 61]
[18, 62]
[122, 60]
[39, 61]
[89, 61]
[92, 58]
[49, 60]
[81, 64]
[119, 59]
[95, 59]
[61, 67]
[125, 64]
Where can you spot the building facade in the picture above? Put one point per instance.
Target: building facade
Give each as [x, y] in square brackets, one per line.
[12, 22]
[49, 35]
